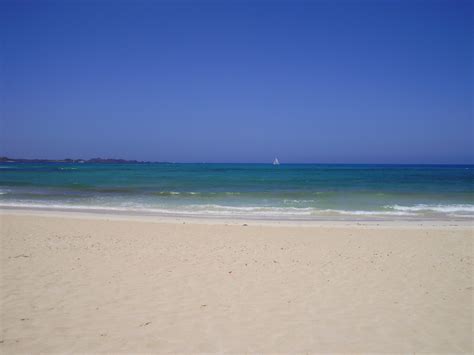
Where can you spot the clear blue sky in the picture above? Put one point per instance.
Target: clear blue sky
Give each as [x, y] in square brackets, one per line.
[238, 81]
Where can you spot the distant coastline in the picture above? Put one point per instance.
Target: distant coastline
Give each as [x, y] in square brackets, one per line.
[4, 159]
[75, 161]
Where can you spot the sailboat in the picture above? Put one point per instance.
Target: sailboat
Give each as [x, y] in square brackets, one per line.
[276, 162]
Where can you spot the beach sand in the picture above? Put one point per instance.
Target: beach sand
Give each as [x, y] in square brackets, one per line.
[83, 283]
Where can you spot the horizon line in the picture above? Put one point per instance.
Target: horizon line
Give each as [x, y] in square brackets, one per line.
[136, 161]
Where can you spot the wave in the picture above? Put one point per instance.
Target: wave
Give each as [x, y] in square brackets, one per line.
[191, 210]
[170, 193]
[434, 208]
[180, 193]
[222, 210]
[218, 210]
[369, 213]
[298, 201]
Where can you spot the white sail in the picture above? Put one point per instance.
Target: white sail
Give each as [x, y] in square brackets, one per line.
[276, 162]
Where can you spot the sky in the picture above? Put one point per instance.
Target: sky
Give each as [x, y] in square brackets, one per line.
[238, 81]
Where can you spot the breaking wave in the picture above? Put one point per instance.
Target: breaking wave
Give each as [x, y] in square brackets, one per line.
[456, 208]
[457, 211]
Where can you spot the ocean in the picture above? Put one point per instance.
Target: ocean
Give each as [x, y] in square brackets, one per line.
[287, 191]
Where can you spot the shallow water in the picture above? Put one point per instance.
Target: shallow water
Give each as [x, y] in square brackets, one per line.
[254, 190]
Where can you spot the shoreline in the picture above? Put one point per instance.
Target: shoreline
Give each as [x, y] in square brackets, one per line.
[239, 220]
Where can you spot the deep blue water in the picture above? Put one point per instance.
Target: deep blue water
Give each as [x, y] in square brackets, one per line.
[261, 190]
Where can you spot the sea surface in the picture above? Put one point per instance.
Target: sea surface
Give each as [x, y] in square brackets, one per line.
[287, 191]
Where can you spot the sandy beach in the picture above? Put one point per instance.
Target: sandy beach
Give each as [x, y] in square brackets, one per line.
[95, 283]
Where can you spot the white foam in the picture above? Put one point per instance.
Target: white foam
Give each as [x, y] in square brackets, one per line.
[298, 201]
[189, 209]
[247, 210]
[434, 208]
[463, 211]
[370, 213]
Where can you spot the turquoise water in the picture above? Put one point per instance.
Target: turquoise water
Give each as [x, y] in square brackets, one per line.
[290, 191]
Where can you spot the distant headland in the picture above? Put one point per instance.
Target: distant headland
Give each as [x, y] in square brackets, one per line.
[75, 161]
